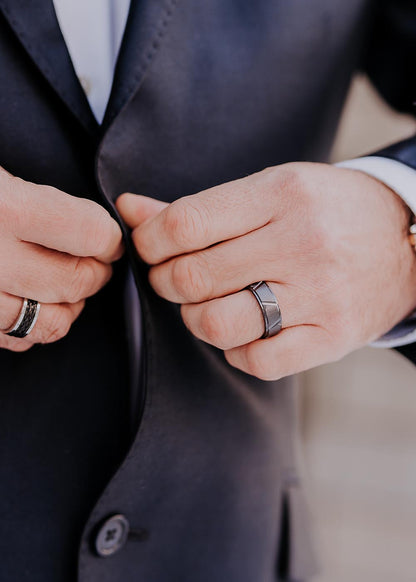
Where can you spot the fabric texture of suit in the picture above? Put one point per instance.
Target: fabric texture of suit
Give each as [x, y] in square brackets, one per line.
[204, 92]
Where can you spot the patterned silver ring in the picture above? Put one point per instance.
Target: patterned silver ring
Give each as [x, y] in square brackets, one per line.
[26, 321]
[269, 307]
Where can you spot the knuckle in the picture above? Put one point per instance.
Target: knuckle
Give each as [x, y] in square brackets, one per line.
[190, 280]
[214, 327]
[317, 240]
[173, 222]
[321, 241]
[289, 190]
[13, 210]
[257, 364]
[292, 180]
[99, 233]
[21, 347]
[293, 361]
[144, 245]
[14, 345]
[185, 223]
[80, 276]
[56, 326]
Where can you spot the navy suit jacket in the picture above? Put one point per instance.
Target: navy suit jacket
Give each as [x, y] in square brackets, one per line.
[199, 457]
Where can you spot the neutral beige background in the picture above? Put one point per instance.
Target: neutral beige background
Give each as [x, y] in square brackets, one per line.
[359, 422]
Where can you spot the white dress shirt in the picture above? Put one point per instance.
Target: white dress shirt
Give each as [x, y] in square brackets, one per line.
[93, 30]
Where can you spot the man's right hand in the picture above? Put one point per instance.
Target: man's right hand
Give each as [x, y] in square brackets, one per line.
[54, 248]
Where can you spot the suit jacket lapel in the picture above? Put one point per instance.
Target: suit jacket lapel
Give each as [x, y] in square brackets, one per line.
[36, 26]
[146, 26]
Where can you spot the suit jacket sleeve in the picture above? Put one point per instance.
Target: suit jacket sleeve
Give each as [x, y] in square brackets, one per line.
[389, 58]
[390, 51]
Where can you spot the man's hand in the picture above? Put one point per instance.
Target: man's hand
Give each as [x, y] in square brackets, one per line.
[331, 243]
[55, 249]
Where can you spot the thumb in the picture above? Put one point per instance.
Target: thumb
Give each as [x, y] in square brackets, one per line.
[135, 209]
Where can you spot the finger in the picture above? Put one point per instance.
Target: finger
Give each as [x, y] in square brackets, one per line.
[49, 276]
[53, 323]
[227, 267]
[49, 217]
[10, 307]
[196, 222]
[14, 344]
[293, 350]
[135, 209]
[236, 319]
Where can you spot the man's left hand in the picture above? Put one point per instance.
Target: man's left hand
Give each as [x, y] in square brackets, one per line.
[331, 243]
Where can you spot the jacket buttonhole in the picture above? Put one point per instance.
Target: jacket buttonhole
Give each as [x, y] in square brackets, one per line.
[139, 535]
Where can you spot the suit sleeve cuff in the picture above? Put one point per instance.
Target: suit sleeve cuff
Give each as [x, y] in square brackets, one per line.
[401, 178]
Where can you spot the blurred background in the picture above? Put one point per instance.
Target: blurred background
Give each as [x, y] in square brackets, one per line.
[358, 420]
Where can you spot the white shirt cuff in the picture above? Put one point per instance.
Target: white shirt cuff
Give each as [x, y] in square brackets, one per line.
[402, 180]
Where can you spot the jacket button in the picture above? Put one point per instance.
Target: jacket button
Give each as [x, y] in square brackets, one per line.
[112, 535]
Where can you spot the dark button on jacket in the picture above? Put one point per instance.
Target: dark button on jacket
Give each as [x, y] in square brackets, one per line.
[112, 535]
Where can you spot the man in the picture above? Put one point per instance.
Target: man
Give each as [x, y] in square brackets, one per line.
[149, 454]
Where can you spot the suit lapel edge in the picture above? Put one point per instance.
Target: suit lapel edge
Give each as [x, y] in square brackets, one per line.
[141, 42]
[37, 27]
